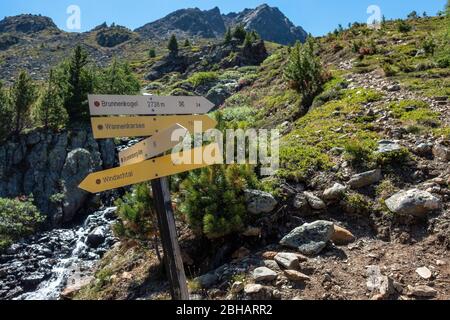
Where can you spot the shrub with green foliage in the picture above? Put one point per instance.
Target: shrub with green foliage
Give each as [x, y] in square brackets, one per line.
[358, 153]
[152, 53]
[213, 199]
[403, 26]
[201, 78]
[357, 204]
[429, 46]
[137, 218]
[50, 111]
[18, 219]
[304, 71]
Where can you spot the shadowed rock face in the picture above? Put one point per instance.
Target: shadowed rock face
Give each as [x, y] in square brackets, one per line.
[27, 23]
[268, 21]
[46, 164]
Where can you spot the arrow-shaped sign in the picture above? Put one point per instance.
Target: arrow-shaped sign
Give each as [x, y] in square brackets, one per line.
[152, 169]
[107, 105]
[152, 146]
[112, 127]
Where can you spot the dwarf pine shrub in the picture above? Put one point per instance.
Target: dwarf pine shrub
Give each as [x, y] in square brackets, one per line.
[213, 199]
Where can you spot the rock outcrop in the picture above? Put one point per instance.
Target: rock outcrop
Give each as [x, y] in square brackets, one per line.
[27, 23]
[50, 166]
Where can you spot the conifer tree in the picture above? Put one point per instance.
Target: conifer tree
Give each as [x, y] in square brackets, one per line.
[5, 114]
[23, 94]
[239, 33]
[173, 45]
[187, 43]
[119, 79]
[214, 199]
[50, 111]
[78, 81]
[228, 36]
[304, 71]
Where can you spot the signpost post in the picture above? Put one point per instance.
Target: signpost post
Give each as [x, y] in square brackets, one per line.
[163, 115]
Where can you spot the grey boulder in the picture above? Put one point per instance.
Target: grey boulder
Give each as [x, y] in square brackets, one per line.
[365, 179]
[310, 238]
[413, 202]
[260, 202]
[336, 192]
[262, 274]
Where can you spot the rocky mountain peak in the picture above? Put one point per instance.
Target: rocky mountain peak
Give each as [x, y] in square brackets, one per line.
[270, 23]
[190, 22]
[27, 23]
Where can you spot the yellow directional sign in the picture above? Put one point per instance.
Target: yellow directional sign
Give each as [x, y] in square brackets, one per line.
[112, 127]
[108, 105]
[152, 169]
[153, 146]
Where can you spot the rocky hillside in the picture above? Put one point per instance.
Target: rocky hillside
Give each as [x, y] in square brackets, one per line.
[34, 43]
[360, 208]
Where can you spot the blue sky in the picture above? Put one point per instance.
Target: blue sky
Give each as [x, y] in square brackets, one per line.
[316, 16]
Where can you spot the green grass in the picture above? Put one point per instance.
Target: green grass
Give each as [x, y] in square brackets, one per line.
[414, 112]
[305, 150]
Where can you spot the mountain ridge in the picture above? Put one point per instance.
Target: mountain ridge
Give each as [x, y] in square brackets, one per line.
[212, 23]
[269, 22]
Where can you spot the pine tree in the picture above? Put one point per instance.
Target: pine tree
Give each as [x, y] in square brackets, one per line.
[119, 79]
[214, 199]
[23, 94]
[80, 82]
[187, 43]
[50, 111]
[152, 53]
[228, 36]
[239, 33]
[304, 71]
[173, 45]
[5, 114]
[248, 43]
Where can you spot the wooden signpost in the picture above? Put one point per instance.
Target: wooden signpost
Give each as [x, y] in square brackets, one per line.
[108, 105]
[111, 127]
[158, 118]
[152, 146]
